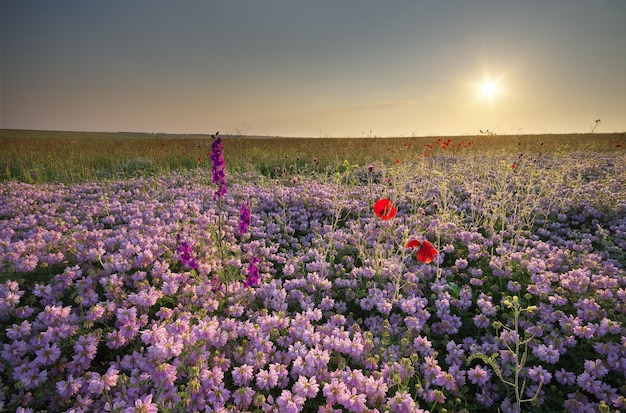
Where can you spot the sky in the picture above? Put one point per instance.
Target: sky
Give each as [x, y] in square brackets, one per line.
[318, 68]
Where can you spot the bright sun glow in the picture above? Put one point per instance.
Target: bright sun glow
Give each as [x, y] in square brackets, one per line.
[489, 89]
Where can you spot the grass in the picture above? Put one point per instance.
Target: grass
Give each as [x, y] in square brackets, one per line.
[72, 157]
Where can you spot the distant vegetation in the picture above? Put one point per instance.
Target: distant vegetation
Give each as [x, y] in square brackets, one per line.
[69, 157]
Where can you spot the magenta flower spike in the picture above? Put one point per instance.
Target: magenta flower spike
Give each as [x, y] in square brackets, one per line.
[219, 166]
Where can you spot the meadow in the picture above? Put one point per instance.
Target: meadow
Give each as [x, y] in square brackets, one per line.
[145, 273]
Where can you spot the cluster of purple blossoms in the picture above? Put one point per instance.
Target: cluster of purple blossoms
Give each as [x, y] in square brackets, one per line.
[184, 253]
[244, 218]
[219, 166]
[253, 273]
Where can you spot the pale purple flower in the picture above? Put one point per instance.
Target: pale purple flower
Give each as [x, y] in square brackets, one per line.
[164, 374]
[546, 353]
[243, 397]
[143, 405]
[266, 379]
[68, 388]
[48, 354]
[307, 388]
[478, 375]
[539, 374]
[335, 391]
[402, 402]
[289, 402]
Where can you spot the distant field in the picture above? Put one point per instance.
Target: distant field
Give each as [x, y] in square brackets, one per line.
[68, 157]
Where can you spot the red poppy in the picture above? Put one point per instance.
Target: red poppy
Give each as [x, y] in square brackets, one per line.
[425, 250]
[384, 209]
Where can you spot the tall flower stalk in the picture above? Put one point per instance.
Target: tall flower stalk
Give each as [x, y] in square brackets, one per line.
[219, 166]
[228, 272]
[219, 178]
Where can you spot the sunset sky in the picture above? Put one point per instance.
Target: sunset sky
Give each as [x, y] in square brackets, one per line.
[315, 68]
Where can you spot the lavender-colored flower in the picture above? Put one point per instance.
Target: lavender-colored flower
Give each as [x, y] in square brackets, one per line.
[68, 388]
[402, 402]
[307, 388]
[219, 167]
[546, 353]
[290, 403]
[539, 374]
[478, 375]
[243, 397]
[143, 405]
[242, 375]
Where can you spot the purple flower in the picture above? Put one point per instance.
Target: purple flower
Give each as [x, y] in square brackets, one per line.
[243, 397]
[184, 253]
[290, 403]
[539, 374]
[68, 388]
[546, 353]
[242, 375]
[253, 273]
[402, 402]
[48, 354]
[307, 388]
[244, 218]
[478, 375]
[219, 167]
[144, 405]
[164, 374]
[266, 379]
[335, 391]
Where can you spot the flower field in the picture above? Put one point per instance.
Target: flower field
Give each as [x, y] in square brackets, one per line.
[447, 283]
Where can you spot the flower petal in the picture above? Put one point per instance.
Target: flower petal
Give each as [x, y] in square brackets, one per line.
[384, 209]
[427, 252]
[413, 244]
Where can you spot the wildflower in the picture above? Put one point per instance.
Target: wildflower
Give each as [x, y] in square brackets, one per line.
[144, 405]
[68, 388]
[244, 218]
[402, 402]
[219, 167]
[384, 209]
[253, 273]
[290, 403]
[184, 254]
[425, 250]
[307, 388]
[478, 375]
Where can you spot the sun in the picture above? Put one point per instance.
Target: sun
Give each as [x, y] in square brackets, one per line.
[489, 89]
